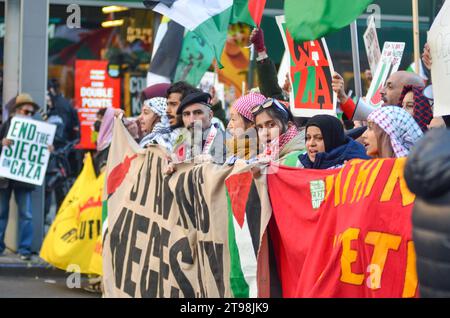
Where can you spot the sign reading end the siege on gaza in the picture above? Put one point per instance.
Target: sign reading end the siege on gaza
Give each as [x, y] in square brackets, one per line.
[27, 157]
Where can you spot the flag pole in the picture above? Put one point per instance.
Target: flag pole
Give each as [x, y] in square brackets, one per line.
[415, 12]
[355, 56]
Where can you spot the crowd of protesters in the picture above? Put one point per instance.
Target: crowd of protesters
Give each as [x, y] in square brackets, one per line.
[261, 128]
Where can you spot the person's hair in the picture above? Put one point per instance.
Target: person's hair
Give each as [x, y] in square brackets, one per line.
[101, 111]
[247, 122]
[278, 115]
[384, 145]
[181, 87]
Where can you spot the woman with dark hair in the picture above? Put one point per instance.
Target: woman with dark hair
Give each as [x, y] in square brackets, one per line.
[391, 133]
[417, 105]
[278, 136]
[327, 146]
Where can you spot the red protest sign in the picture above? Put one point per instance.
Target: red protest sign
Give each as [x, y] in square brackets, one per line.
[94, 89]
[310, 75]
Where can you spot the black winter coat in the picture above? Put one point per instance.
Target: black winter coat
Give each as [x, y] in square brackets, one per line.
[427, 174]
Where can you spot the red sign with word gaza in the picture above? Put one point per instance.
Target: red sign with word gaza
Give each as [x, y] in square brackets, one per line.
[94, 89]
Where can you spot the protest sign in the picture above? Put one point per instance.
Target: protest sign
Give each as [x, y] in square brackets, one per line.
[389, 63]
[310, 74]
[27, 158]
[439, 42]
[94, 89]
[372, 45]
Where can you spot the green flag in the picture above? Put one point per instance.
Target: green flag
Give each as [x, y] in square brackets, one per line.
[313, 19]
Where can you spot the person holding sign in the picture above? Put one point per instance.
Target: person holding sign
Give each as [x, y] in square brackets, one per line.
[390, 93]
[24, 106]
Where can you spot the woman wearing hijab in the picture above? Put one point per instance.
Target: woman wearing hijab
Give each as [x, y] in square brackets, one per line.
[154, 123]
[391, 133]
[417, 105]
[327, 146]
[243, 142]
[279, 137]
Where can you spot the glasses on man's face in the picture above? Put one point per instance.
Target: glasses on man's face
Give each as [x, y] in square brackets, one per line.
[268, 103]
[27, 112]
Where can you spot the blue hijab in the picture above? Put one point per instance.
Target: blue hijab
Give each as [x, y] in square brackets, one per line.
[336, 157]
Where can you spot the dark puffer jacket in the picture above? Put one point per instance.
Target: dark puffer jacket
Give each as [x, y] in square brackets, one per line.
[427, 174]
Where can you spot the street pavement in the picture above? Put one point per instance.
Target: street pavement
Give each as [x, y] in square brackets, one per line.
[37, 279]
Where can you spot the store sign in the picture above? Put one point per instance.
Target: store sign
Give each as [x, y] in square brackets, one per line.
[134, 85]
[94, 89]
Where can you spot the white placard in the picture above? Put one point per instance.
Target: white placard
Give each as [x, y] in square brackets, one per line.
[389, 63]
[27, 158]
[439, 42]
[372, 45]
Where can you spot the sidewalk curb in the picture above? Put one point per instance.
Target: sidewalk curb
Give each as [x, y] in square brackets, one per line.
[30, 269]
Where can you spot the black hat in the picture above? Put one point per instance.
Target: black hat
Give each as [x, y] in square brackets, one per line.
[194, 97]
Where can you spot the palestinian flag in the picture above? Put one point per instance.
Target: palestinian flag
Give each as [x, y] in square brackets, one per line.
[244, 231]
[210, 18]
[166, 52]
[312, 19]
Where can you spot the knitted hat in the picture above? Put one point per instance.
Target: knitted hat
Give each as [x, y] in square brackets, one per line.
[244, 104]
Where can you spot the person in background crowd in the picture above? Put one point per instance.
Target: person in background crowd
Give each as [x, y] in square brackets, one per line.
[278, 135]
[96, 128]
[219, 112]
[104, 140]
[391, 133]
[243, 142]
[69, 116]
[427, 176]
[154, 123]
[390, 93]
[24, 106]
[327, 146]
[417, 105]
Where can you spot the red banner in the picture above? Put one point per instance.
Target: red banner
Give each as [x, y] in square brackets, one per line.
[348, 232]
[94, 89]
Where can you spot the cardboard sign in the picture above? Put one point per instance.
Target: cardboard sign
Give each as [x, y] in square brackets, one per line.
[439, 42]
[310, 74]
[27, 158]
[94, 89]
[372, 46]
[389, 63]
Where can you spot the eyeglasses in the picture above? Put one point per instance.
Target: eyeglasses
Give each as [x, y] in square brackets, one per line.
[27, 112]
[269, 103]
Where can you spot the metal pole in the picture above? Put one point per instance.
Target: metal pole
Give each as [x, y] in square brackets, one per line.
[251, 69]
[415, 12]
[355, 56]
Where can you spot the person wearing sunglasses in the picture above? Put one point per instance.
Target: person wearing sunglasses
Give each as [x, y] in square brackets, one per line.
[24, 106]
[278, 136]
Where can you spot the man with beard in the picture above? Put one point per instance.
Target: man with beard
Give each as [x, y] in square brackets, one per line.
[200, 138]
[390, 93]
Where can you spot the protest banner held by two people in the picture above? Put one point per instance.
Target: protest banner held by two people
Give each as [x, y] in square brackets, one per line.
[26, 158]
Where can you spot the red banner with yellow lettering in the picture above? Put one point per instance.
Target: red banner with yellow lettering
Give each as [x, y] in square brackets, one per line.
[347, 233]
